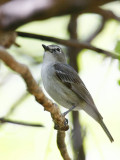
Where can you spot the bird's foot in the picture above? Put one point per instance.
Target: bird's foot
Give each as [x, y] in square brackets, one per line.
[69, 110]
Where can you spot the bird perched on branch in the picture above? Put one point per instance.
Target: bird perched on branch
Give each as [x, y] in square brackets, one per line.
[64, 85]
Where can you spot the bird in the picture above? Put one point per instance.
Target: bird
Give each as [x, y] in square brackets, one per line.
[65, 87]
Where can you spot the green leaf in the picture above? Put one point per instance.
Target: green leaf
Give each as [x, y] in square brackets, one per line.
[119, 82]
[117, 47]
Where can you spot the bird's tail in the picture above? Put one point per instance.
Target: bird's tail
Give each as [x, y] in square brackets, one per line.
[106, 130]
[93, 112]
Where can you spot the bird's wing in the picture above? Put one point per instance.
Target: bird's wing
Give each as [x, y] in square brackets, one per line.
[67, 75]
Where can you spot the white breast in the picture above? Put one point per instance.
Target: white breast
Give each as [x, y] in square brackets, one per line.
[47, 76]
[60, 93]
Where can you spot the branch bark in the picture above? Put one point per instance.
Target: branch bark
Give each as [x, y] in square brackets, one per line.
[34, 89]
[59, 120]
[61, 145]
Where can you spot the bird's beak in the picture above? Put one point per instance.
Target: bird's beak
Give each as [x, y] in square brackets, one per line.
[46, 48]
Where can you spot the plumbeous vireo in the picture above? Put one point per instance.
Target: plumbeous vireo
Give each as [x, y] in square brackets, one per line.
[64, 85]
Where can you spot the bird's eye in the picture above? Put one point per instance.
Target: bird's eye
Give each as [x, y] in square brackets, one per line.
[58, 49]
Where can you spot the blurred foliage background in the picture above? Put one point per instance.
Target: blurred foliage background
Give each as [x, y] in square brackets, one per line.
[101, 76]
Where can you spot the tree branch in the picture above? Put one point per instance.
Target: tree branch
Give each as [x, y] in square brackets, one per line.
[106, 14]
[34, 89]
[16, 12]
[70, 43]
[77, 139]
[61, 145]
[4, 120]
[7, 38]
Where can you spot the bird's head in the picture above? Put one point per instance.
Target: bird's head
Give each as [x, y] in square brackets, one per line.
[54, 53]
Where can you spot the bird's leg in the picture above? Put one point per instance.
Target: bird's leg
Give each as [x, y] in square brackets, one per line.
[65, 113]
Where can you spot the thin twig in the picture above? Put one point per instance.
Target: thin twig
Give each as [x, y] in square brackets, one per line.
[70, 43]
[4, 120]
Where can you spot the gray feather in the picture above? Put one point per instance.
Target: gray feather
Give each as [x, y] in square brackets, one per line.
[67, 75]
